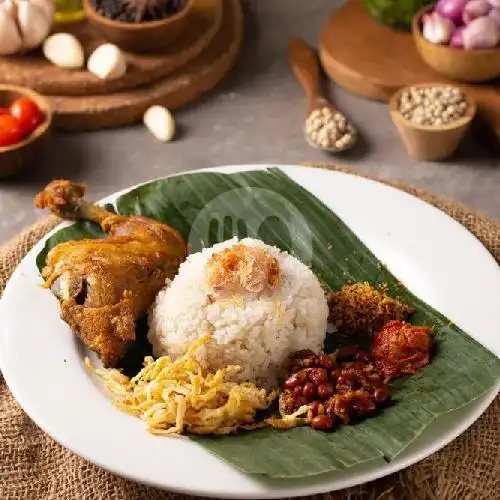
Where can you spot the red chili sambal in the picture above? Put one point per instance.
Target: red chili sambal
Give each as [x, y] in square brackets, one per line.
[400, 348]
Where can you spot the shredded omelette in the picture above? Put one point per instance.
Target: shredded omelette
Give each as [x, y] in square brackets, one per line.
[172, 397]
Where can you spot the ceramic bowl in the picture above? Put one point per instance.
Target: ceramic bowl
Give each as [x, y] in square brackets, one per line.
[458, 64]
[430, 142]
[17, 157]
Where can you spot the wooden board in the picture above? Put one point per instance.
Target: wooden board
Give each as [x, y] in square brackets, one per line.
[173, 91]
[34, 71]
[373, 61]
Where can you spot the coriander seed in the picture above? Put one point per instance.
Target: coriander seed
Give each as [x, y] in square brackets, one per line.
[434, 105]
[326, 128]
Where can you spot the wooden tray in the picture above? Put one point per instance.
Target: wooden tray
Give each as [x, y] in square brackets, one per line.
[34, 71]
[173, 91]
[373, 61]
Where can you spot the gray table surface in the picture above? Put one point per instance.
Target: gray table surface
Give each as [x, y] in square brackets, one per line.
[255, 116]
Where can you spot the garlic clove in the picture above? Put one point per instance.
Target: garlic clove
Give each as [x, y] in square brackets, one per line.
[33, 24]
[64, 50]
[437, 29]
[47, 6]
[107, 61]
[160, 123]
[10, 39]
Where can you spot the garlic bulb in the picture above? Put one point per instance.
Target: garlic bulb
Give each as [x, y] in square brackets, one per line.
[32, 23]
[437, 29]
[27, 20]
[10, 6]
[10, 39]
[47, 7]
[64, 50]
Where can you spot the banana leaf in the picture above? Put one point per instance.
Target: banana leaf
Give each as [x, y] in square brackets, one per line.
[210, 207]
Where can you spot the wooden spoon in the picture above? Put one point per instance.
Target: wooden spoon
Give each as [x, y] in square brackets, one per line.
[305, 66]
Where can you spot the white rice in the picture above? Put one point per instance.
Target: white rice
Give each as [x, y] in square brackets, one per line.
[257, 333]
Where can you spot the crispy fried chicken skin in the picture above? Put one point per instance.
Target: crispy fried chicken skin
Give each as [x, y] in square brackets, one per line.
[104, 285]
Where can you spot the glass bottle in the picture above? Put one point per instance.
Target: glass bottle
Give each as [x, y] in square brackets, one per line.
[68, 11]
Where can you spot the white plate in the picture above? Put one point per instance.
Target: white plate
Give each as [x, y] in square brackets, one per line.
[433, 255]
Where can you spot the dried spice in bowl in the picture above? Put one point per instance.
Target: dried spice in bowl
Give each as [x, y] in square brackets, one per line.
[432, 105]
[431, 118]
[138, 11]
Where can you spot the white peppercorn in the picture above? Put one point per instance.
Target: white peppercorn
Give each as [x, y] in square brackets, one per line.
[434, 105]
[328, 129]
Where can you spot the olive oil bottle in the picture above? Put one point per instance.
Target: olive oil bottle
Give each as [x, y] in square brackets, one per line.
[68, 11]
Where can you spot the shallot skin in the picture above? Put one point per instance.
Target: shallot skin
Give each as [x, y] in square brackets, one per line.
[437, 29]
[495, 15]
[481, 33]
[451, 9]
[457, 40]
[474, 9]
[463, 24]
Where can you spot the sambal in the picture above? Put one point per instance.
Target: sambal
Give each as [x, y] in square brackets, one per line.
[400, 348]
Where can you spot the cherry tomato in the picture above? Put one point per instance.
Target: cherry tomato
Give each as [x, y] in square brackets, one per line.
[10, 130]
[4, 111]
[28, 114]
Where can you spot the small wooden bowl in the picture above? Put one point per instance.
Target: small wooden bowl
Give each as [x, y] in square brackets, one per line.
[428, 142]
[15, 158]
[458, 64]
[149, 36]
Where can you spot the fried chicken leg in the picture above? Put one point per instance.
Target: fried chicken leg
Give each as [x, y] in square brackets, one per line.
[104, 285]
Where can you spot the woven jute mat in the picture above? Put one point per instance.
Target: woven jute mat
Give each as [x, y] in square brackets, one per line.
[34, 467]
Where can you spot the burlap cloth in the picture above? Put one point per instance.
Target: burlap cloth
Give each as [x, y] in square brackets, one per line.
[34, 467]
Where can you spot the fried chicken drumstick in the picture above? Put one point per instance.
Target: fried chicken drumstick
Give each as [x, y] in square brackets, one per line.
[104, 285]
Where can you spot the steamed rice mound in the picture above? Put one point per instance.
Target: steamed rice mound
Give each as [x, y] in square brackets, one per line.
[255, 325]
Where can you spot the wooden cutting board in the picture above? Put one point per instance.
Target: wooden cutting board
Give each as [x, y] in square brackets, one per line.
[34, 71]
[174, 90]
[373, 61]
